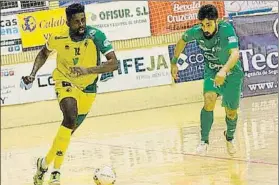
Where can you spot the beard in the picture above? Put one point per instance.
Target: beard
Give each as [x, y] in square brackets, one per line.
[208, 36]
[77, 35]
[80, 32]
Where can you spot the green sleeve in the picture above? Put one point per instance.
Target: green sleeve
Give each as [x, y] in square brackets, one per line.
[102, 43]
[189, 35]
[230, 36]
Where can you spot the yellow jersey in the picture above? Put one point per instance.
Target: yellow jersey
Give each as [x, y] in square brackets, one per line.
[84, 53]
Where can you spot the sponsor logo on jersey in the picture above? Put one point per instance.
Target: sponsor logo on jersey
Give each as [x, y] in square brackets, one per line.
[60, 37]
[106, 43]
[59, 153]
[92, 34]
[232, 39]
[86, 43]
[215, 66]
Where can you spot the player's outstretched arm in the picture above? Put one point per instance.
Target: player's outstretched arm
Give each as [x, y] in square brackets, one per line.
[178, 49]
[39, 62]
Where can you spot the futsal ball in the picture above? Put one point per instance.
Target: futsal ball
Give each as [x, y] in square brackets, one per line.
[104, 176]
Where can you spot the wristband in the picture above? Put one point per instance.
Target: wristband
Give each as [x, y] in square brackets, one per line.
[174, 60]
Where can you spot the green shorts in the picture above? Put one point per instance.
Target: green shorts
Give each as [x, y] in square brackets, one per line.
[230, 90]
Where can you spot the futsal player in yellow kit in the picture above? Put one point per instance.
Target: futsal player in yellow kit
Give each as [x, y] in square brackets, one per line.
[78, 64]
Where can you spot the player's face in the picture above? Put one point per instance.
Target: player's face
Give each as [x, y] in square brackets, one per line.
[209, 28]
[77, 23]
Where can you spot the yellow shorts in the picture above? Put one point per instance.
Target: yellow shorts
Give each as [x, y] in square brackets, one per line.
[84, 100]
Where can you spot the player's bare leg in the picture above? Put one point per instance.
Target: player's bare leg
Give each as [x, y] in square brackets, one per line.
[231, 120]
[60, 144]
[206, 118]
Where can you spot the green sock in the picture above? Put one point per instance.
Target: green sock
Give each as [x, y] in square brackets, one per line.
[206, 123]
[231, 126]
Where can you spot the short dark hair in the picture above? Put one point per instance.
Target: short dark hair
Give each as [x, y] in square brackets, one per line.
[208, 11]
[74, 9]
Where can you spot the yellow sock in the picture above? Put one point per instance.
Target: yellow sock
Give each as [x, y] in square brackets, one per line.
[62, 145]
[59, 147]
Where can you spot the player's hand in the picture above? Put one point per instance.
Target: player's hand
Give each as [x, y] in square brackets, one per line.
[27, 82]
[174, 71]
[79, 71]
[220, 78]
[28, 79]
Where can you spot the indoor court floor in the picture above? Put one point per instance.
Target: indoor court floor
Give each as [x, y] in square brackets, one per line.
[154, 147]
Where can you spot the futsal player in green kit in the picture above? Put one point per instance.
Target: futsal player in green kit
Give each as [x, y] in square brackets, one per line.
[223, 75]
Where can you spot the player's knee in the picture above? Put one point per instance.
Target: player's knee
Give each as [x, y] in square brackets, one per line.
[209, 101]
[70, 113]
[231, 114]
[69, 121]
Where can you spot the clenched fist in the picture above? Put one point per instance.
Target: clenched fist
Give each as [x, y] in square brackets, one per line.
[27, 82]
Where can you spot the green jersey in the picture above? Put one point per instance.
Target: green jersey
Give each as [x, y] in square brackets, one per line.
[217, 49]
